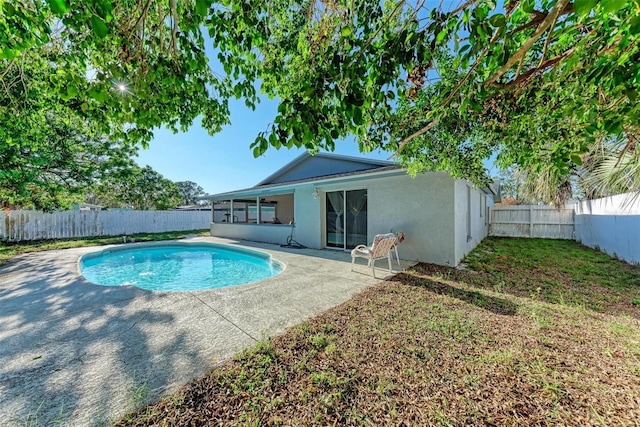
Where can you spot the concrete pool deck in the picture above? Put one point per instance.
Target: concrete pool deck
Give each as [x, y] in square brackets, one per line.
[81, 354]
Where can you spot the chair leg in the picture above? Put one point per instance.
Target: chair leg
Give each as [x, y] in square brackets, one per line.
[389, 259]
[373, 267]
[353, 262]
[397, 257]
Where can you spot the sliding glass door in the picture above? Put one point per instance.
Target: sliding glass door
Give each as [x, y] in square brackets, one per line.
[346, 219]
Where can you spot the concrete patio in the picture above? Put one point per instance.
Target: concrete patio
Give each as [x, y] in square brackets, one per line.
[81, 354]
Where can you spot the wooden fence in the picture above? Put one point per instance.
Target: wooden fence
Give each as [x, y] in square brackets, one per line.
[532, 221]
[19, 226]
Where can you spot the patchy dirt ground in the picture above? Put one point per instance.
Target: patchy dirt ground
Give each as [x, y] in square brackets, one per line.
[437, 346]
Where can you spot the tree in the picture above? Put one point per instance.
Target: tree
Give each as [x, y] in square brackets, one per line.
[509, 184]
[537, 82]
[48, 157]
[190, 192]
[104, 71]
[540, 83]
[59, 170]
[136, 188]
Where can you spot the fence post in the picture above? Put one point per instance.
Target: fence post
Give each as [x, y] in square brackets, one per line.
[530, 220]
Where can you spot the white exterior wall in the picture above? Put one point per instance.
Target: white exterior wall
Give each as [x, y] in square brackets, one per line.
[421, 207]
[620, 204]
[612, 225]
[430, 209]
[616, 235]
[475, 206]
[266, 233]
[308, 215]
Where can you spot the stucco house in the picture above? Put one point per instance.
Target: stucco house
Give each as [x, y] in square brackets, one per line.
[337, 202]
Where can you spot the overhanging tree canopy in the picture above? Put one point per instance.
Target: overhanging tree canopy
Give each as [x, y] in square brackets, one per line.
[538, 82]
[108, 70]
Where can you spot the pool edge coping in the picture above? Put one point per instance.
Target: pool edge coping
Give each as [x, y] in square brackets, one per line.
[127, 246]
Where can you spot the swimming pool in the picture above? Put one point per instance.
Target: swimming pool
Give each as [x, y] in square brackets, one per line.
[177, 266]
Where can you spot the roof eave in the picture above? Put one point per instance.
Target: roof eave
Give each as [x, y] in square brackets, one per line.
[289, 186]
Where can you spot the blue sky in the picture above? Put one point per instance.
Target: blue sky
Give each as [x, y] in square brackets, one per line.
[224, 162]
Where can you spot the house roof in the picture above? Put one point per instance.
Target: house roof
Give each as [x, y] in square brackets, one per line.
[260, 188]
[307, 166]
[306, 169]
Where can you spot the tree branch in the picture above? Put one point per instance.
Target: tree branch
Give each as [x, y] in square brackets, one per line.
[450, 97]
[372, 38]
[529, 73]
[462, 7]
[143, 15]
[632, 140]
[174, 29]
[546, 23]
[473, 67]
[538, 17]
[546, 42]
[417, 133]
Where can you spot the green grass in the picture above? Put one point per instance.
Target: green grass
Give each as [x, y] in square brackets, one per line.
[557, 271]
[534, 333]
[10, 250]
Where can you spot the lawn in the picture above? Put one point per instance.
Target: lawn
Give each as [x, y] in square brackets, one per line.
[531, 332]
[10, 250]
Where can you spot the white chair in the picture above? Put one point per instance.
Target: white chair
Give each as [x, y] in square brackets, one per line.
[381, 248]
[399, 239]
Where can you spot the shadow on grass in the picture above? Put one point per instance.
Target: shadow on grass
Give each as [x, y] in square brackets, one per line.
[486, 302]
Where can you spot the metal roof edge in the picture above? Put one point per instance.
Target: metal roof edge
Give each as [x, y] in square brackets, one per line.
[271, 188]
[304, 156]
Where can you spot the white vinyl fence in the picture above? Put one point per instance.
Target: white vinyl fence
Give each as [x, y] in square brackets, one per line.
[532, 221]
[19, 226]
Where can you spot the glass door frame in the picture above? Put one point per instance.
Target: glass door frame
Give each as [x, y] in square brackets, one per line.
[343, 215]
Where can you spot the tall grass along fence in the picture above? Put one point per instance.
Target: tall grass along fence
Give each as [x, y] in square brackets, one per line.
[17, 226]
[612, 225]
[532, 221]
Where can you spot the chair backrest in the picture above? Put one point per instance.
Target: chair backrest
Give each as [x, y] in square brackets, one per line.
[382, 244]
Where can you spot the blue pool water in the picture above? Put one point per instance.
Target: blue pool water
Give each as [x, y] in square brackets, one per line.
[177, 266]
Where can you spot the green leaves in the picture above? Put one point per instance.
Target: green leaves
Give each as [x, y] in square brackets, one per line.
[584, 7]
[59, 7]
[443, 90]
[612, 6]
[357, 117]
[528, 5]
[497, 20]
[202, 7]
[107, 74]
[99, 27]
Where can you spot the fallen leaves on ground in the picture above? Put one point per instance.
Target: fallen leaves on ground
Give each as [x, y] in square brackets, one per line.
[434, 346]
